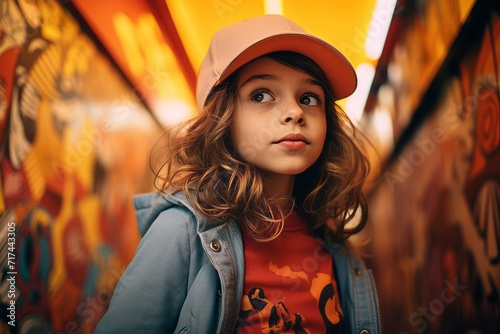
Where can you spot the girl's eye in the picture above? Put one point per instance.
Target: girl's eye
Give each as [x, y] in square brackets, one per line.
[261, 96]
[310, 99]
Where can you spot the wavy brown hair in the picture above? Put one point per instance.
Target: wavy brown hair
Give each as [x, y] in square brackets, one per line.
[201, 160]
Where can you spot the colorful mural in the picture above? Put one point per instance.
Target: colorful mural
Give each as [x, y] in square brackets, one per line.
[436, 211]
[74, 146]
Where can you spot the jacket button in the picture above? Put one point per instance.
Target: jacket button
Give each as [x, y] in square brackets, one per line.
[215, 246]
[357, 272]
[364, 331]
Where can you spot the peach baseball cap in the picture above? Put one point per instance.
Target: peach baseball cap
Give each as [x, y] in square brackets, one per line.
[235, 45]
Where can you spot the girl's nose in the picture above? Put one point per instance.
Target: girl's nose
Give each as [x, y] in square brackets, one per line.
[293, 114]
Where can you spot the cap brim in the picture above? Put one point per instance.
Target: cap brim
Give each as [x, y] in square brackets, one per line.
[336, 67]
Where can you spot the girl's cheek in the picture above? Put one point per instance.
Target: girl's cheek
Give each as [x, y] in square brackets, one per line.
[247, 151]
[265, 135]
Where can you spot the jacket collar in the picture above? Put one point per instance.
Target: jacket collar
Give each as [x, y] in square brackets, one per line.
[149, 206]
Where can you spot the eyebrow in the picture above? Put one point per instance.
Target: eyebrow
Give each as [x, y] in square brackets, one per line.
[273, 77]
[261, 77]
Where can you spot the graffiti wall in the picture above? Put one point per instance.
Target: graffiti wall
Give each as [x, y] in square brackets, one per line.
[436, 211]
[74, 146]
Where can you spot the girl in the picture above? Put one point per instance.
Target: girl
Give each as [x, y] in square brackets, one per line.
[248, 234]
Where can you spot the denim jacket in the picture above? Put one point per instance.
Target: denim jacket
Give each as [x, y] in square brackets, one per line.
[188, 272]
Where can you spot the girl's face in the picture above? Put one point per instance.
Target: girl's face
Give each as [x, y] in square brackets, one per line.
[280, 123]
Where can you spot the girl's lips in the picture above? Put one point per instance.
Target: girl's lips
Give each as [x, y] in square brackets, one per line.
[293, 141]
[293, 137]
[292, 144]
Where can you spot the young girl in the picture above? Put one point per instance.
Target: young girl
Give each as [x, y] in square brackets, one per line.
[248, 234]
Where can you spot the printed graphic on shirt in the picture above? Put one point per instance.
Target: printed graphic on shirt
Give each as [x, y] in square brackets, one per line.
[270, 312]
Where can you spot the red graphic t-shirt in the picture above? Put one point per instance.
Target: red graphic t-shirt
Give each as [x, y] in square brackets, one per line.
[289, 285]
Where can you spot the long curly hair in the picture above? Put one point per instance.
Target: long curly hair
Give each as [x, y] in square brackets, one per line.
[200, 159]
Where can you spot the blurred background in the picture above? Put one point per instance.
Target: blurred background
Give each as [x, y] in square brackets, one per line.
[86, 88]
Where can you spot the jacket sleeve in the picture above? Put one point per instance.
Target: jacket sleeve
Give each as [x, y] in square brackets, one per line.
[151, 292]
